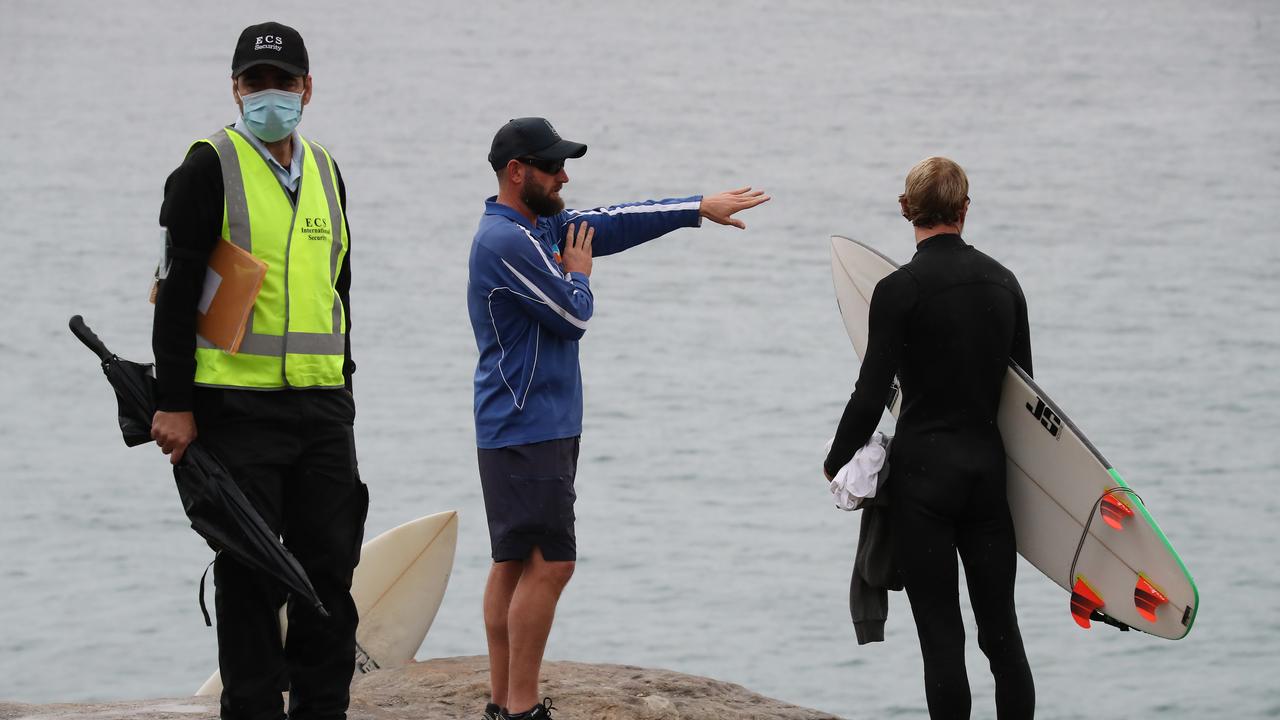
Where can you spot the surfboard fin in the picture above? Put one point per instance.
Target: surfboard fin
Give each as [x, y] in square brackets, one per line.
[1084, 601]
[1146, 598]
[1114, 511]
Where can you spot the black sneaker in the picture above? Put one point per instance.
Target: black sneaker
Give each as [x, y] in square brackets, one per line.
[537, 712]
[493, 712]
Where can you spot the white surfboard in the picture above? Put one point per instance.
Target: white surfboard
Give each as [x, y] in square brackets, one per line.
[1075, 518]
[397, 588]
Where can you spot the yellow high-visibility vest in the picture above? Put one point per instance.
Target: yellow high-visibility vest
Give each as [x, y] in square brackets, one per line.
[297, 330]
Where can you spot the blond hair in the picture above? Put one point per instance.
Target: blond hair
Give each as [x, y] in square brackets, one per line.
[936, 192]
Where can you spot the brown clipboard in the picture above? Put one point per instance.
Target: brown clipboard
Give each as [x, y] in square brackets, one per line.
[231, 286]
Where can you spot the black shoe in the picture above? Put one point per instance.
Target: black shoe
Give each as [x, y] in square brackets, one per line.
[493, 712]
[537, 712]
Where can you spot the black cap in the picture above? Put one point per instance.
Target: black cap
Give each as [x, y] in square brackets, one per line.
[531, 137]
[270, 44]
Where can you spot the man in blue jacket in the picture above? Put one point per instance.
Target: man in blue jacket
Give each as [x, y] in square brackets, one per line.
[529, 297]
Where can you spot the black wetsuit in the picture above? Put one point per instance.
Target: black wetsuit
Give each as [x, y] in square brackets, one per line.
[947, 323]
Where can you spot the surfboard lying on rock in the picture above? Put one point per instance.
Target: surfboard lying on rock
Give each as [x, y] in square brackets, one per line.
[1075, 518]
[397, 588]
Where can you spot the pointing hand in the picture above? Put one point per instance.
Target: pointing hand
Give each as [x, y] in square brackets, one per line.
[722, 207]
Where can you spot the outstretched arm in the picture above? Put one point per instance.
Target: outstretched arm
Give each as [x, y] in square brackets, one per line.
[620, 227]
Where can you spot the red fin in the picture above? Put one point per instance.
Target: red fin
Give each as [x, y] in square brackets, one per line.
[1146, 597]
[1114, 512]
[1083, 602]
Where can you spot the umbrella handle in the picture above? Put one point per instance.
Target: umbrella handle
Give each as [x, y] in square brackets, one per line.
[90, 340]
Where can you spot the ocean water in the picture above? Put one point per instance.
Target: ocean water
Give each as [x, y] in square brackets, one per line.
[1124, 161]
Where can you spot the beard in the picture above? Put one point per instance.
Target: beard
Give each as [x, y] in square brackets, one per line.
[540, 201]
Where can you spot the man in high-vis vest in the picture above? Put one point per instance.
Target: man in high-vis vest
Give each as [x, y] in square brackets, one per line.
[279, 411]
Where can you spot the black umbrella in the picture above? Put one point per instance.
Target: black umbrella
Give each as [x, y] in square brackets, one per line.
[217, 508]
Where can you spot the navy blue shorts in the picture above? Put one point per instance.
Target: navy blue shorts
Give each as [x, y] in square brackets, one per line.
[528, 499]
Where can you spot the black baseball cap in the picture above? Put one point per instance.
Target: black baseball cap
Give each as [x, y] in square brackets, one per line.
[270, 43]
[531, 137]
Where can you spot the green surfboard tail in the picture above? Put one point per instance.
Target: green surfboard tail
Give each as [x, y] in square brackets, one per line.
[1195, 606]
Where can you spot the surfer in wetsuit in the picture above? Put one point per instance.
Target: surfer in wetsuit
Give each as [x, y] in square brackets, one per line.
[946, 324]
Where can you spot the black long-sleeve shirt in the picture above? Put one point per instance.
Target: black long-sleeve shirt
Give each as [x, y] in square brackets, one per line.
[192, 211]
[946, 323]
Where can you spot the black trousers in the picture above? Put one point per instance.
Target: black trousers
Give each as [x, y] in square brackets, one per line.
[293, 454]
[948, 495]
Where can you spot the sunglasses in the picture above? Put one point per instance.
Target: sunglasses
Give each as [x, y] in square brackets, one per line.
[550, 167]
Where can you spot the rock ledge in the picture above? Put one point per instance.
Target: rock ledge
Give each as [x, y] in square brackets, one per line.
[450, 688]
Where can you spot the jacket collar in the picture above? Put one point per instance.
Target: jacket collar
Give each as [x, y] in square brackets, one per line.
[493, 207]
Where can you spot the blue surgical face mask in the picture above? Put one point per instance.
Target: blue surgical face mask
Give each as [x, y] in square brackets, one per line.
[272, 114]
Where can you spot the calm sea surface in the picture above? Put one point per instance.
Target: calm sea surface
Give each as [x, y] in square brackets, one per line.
[1124, 160]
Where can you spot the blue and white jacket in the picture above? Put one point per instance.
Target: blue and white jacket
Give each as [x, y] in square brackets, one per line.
[528, 314]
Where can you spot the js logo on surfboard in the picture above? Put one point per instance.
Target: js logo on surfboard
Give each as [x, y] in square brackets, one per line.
[1048, 419]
